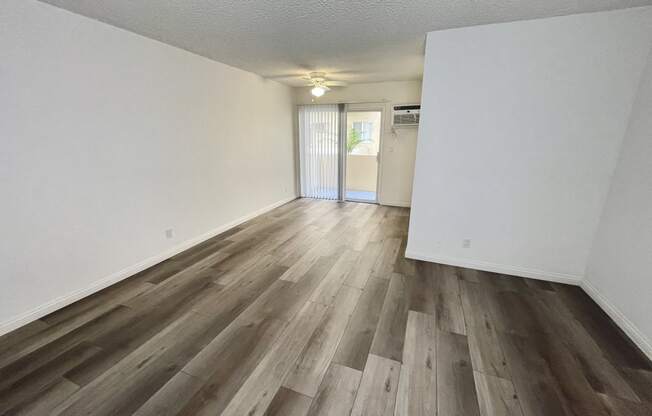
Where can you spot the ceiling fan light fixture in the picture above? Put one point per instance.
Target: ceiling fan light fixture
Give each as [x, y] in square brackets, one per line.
[318, 91]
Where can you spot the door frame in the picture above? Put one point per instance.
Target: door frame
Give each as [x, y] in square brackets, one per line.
[361, 108]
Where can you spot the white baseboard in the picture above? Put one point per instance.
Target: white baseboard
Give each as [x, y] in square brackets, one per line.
[404, 204]
[62, 301]
[637, 337]
[499, 268]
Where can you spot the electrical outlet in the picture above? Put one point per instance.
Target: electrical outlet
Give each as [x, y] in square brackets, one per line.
[466, 243]
[169, 233]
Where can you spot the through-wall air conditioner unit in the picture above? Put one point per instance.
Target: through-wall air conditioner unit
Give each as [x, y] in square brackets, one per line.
[405, 115]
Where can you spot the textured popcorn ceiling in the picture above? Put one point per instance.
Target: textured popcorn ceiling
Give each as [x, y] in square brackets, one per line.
[354, 41]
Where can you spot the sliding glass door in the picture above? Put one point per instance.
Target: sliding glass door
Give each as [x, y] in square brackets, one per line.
[363, 149]
[339, 151]
[320, 150]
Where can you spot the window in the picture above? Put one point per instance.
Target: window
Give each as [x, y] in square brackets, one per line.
[365, 129]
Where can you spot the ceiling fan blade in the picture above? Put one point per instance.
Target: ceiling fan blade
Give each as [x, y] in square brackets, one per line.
[288, 75]
[336, 83]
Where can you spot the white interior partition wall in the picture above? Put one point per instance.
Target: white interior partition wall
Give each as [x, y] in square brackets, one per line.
[319, 151]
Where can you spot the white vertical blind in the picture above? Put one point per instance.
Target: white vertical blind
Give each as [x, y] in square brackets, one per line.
[319, 150]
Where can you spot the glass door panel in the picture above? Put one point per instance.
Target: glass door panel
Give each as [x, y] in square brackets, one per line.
[362, 148]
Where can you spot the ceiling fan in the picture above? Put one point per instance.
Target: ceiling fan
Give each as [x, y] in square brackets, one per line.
[319, 83]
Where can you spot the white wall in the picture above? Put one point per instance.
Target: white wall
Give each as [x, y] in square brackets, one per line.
[107, 140]
[398, 150]
[619, 273]
[361, 173]
[521, 127]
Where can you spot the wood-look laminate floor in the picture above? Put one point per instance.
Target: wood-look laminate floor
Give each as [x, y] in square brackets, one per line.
[311, 309]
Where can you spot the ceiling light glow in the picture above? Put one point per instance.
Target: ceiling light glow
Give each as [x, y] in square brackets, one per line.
[318, 91]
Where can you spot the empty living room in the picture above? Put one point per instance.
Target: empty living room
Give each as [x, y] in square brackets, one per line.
[326, 207]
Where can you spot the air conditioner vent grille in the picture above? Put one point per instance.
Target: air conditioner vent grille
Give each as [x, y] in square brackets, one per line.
[406, 118]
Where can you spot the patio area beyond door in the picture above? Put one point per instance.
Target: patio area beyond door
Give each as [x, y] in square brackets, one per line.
[363, 130]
